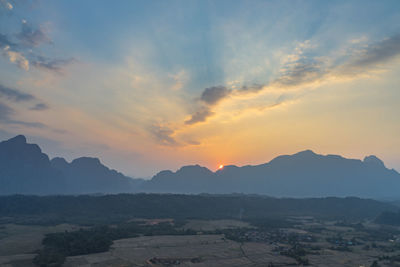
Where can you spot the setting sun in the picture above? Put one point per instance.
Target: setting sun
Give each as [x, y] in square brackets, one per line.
[221, 167]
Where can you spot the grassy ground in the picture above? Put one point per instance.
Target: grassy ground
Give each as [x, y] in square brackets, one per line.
[18, 243]
[22, 239]
[211, 225]
[261, 248]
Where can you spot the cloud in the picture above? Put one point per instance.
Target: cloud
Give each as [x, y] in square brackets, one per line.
[208, 98]
[281, 100]
[302, 71]
[17, 58]
[6, 114]
[307, 70]
[180, 79]
[7, 5]
[10, 51]
[14, 94]
[193, 142]
[213, 95]
[5, 41]
[32, 37]
[199, 116]
[166, 136]
[251, 89]
[372, 56]
[23, 51]
[56, 65]
[163, 135]
[15, 53]
[28, 124]
[18, 96]
[40, 106]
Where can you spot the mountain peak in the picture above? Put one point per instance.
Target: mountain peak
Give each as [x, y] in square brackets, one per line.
[59, 163]
[19, 139]
[59, 160]
[18, 147]
[374, 160]
[88, 161]
[193, 169]
[307, 152]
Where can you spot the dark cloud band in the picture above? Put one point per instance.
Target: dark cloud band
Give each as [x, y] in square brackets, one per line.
[14, 94]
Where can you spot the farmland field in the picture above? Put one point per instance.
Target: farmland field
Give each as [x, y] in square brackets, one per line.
[56, 232]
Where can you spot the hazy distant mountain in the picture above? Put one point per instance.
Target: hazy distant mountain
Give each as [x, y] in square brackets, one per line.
[25, 169]
[304, 174]
[88, 175]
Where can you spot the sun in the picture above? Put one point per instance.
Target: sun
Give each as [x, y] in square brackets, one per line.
[221, 167]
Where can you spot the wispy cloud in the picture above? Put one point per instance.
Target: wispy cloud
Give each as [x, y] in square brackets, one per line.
[5, 41]
[14, 94]
[27, 123]
[306, 70]
[374, 55]
[17, 96]
[211, 96]
[164, 135]
[40, 106]
[7, 114]
[301, 70]
[17, 58]
[21, 49]
[31, 37]
[5, 4]
[56, 65]
[199, 116]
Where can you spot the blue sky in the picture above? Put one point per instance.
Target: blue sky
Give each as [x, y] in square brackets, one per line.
[149, 85]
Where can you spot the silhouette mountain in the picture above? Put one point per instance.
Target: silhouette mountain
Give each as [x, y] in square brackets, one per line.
[304, 174]
[25, 169]
[88, 175]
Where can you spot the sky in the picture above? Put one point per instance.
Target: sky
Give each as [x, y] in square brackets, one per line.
[153, 85]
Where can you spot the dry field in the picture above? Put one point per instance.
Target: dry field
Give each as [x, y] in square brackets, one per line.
[215, 250]
[19, 242]
[211, 225]
[197, 250]
[207, 250]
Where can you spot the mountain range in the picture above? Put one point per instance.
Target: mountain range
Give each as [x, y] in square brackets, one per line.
[25, 169]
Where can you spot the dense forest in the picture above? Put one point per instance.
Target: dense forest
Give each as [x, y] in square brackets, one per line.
[389, 218]
[105, 218]
[105, 209]
[57, 246]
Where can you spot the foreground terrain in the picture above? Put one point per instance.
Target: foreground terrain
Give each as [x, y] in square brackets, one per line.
[230, 230]
[307, 242]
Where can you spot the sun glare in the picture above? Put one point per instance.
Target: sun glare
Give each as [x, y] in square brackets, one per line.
[221, 167]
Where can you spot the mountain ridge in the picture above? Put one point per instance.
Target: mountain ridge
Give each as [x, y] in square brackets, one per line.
[288, 176]
[25, 169]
